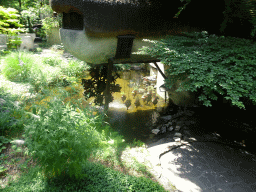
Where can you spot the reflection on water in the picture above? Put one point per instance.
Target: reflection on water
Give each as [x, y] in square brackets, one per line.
[134, 122]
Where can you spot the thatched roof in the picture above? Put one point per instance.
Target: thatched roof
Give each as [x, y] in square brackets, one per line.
[118, 17]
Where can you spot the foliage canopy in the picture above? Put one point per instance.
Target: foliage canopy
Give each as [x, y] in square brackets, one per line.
[213, 65]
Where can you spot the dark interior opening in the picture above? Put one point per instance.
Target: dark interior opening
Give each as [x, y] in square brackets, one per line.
[124, 46]
[73, 20]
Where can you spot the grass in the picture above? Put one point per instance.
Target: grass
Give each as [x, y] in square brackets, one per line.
[118, 166]
[40, 72]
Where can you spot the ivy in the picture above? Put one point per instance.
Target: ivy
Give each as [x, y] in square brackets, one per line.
[213, 65]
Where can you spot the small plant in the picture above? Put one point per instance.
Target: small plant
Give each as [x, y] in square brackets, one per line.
[138, 143]
[14, 42]
[76, 68]
[52, 61]
[38, 49]
[44, 44]
[58, 47]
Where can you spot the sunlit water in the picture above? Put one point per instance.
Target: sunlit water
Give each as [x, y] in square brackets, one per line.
[134, 122]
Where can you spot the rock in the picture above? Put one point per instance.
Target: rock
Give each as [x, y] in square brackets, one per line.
[177, 139]
[18, 142]
[186, 138]
[177, 128]
[177, 135]
[166, 118]
[163, 129]
[170, 129]
[169, 124]
[155, 131]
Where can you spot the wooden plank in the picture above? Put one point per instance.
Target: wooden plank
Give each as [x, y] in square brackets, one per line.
[134, 59]
[160, 70]
[107, 91]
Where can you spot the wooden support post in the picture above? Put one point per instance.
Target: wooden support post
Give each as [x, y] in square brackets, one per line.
[107, 91]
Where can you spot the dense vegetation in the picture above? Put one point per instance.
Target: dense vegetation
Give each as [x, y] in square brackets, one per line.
[214, 65]
[61, 134]
[60, 130]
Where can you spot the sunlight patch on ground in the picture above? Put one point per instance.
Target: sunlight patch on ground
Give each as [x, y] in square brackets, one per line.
[19, 89]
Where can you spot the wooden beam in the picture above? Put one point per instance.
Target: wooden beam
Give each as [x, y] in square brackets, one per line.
[160, 70]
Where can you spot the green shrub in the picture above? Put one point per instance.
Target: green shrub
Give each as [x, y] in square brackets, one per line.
[9, 21]
[61, 138]
[17, 66]
[214, 65]
[26, 67]
[75, 68]
[14, 42]
[52, 61]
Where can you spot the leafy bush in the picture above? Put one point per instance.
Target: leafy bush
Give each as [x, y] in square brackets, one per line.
[29, 17]
[49, 23]
[75, 68]
[14, 42]
[9, 23]
[62, 137]
[17, 66]
[213, 65]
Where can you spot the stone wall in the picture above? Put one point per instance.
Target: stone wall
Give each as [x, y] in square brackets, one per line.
[54, 37]
[27, 41]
